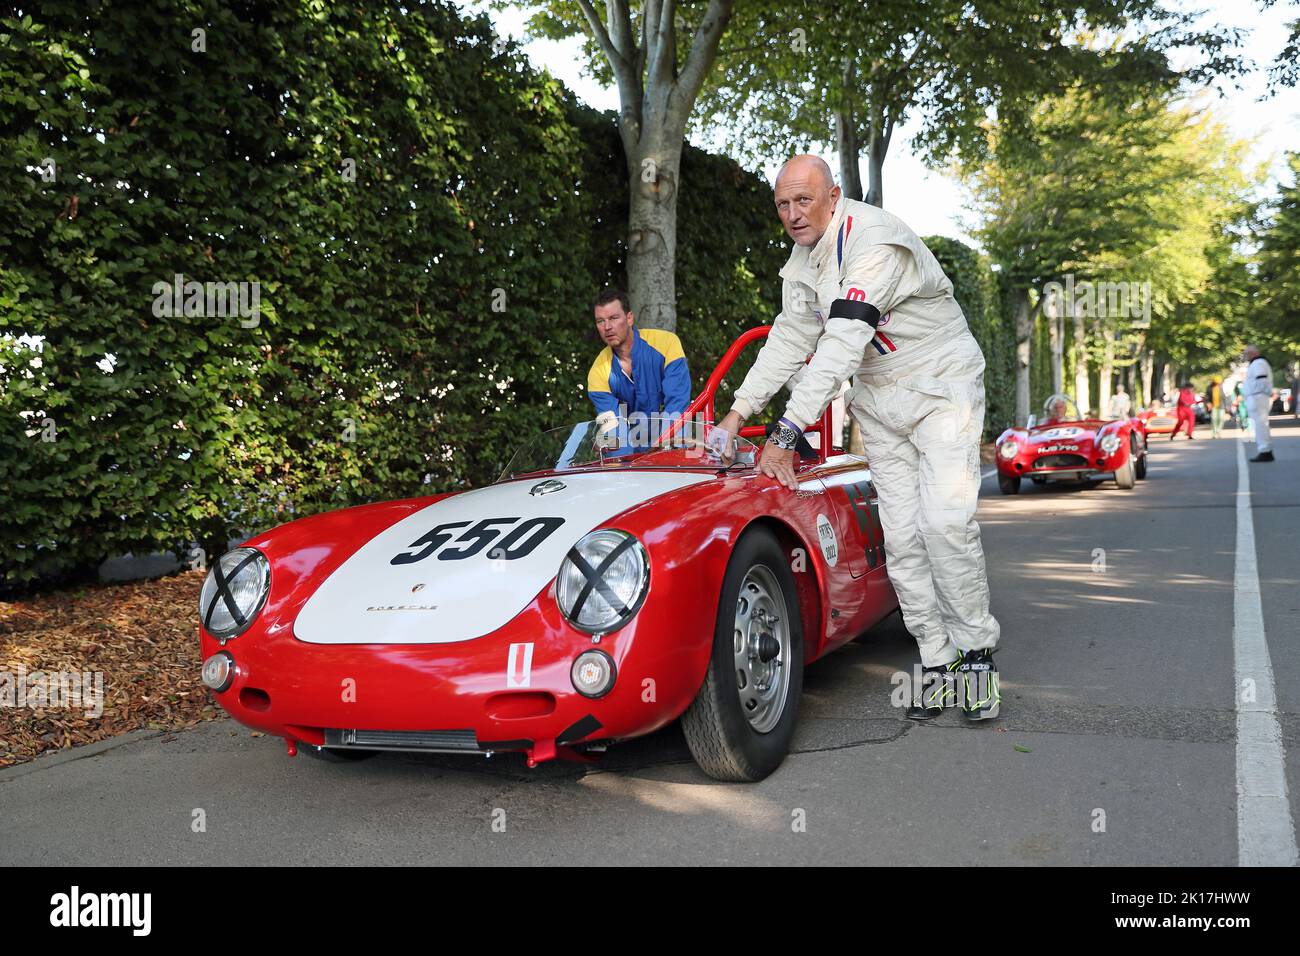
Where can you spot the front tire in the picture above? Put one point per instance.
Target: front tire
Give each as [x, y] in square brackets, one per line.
[740, 725]
[1009, 484]
[1125, 475]
[1140, 459]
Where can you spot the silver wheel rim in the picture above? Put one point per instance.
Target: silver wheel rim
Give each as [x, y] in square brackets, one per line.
[761, 614]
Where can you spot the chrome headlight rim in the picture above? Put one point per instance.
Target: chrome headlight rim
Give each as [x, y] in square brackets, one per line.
[210, 597]
[1008, 449]
[628, 541]
[1109, 444]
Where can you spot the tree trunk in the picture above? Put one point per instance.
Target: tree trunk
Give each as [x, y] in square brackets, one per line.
[1107, 366]
[877, 146]
[656, 93]
[1024, 334]
[1055, 339]
[1146, 372]
[1080, 347]
[652, 231]
[847, 143]
[880, 129]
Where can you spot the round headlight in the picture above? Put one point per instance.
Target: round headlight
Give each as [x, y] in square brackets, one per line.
[1109, 443]
[602, 581]
[592, 673]
[219, 671]
[1008, 449]
[234, 591]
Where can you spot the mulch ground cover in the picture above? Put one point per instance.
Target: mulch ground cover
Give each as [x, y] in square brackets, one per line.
[141, 638]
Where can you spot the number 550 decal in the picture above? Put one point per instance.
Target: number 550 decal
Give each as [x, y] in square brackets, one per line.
[518, 543]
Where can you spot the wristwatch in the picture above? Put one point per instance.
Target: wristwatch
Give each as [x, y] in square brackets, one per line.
[785, 435]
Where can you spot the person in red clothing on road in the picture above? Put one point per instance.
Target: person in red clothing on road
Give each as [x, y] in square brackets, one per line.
[1186, 399]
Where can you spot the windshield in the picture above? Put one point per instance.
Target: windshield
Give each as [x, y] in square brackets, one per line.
[619, 444]
[1060, 408]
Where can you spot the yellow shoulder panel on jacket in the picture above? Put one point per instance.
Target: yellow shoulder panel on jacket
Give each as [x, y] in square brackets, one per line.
[598, 377]
[665, 343]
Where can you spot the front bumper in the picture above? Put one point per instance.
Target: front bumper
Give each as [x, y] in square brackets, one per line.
[1093, 464]
[506, 691]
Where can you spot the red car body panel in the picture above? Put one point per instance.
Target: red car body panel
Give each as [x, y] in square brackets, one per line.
[297, 690]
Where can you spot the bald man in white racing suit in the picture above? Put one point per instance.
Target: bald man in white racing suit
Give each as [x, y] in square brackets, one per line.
[870, 301]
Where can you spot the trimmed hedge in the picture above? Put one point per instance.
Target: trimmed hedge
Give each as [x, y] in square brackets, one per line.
[426, 216]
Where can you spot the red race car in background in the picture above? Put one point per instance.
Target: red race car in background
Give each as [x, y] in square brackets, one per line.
[608, 584]
[1158, 419]
[1064, 446]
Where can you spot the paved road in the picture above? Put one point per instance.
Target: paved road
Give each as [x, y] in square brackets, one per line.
[1118, 709]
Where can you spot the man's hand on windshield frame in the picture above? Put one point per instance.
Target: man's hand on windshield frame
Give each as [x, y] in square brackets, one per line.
[721, 438]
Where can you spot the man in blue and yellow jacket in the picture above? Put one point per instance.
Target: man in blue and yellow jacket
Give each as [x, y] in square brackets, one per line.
[637, 373]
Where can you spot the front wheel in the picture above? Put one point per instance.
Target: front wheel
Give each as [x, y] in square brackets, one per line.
[1125, 475]
[740, 725]
[1009, 484]
[1140, 460]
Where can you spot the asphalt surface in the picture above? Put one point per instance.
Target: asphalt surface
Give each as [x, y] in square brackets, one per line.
[1117, 744]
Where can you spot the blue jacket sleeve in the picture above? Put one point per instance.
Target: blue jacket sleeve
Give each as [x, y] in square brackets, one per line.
[677, 387]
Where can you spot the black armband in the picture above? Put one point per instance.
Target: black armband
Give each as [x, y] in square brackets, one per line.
[854, 309]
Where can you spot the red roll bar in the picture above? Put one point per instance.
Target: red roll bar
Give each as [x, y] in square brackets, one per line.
[703, 403]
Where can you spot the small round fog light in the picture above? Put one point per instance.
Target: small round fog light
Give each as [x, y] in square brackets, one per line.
[219, 671]
[593, 673]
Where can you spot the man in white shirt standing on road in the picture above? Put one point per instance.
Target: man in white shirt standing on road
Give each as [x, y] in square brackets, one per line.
[1259, 399]
[1120, 405]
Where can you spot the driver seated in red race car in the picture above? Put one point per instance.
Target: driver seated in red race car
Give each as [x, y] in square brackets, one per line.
[1059, 409]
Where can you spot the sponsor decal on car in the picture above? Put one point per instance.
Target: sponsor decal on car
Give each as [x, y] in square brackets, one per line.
[519, 667]
[518, 543]
[1068, 432]
[826, 538]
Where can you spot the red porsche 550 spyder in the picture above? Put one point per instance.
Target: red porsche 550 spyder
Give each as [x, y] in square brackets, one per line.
[609, 583]
[1064, 446]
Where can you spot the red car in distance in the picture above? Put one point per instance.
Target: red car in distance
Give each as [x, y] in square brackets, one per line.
[1065, 446]
[1157, 419]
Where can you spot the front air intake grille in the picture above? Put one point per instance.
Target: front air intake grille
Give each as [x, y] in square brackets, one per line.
[444, 741]
[1061, 461]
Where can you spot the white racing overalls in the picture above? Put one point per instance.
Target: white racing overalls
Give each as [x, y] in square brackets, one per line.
[1259, 400]
[871, 302]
